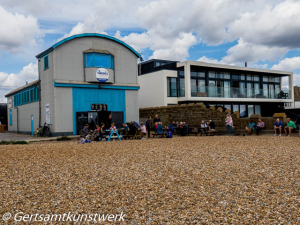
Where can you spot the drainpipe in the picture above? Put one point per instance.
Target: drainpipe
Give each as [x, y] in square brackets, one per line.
[39, 94]
[84, 76]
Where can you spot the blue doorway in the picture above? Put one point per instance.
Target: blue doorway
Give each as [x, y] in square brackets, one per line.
[32, 125]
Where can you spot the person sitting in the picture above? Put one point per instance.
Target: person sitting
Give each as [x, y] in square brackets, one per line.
[290, 125]
[211, 127]
[143, 130]
[124, 129]
[185, 129]
[298, 123]
[95, 135]
[113, 127]
[86, 129]
[171, 127]
[203, 125]
[160, 128]
[278, 126]
[251, 127]
[132, 129]
[260, 126]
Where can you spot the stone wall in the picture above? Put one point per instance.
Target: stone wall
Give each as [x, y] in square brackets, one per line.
[193, 114]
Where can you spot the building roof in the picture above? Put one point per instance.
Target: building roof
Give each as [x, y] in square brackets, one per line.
[223, 66]
[21, 88]
[86, 35]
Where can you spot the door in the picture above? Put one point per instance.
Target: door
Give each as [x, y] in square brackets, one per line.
[81, 120]
[32, 125]
[118, 118]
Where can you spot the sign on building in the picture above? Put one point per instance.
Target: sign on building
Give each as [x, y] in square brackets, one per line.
[48, 113]
[10, 103]
[99, 107]
[102, 75]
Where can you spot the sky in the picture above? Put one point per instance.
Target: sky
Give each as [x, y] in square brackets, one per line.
[264, 33]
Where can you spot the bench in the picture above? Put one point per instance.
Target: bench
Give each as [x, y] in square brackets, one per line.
[158, 135]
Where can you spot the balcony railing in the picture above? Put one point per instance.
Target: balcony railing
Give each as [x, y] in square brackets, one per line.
[230, 92]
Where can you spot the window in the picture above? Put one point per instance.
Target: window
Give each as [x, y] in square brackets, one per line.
[99, 60]
[172, 87]
[26, 96]
[212, 74]
[181, 87]
[46, 62]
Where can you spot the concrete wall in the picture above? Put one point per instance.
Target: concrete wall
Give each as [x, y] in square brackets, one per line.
[132, 107]
[153, 89]
[69, 59]
[63, 104]
[21, 117]
[47, 90]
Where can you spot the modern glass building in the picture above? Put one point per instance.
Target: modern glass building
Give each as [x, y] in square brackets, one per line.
[247, 90]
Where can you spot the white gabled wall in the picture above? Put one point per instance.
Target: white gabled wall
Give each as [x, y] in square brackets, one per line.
[153, 89]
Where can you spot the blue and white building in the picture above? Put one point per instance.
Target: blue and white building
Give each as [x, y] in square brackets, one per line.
[82, 79]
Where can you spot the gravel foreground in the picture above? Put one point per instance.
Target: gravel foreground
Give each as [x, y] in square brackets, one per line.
[188, 180]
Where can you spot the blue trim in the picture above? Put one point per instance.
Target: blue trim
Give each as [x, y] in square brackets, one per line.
[32, 126]
[46, 58]
[96, 86]
[120, 87]
[10, 117]
[88, 35]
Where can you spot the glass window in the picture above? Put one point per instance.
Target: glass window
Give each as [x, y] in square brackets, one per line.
[226, 75]
[243, 112]
[242, 77]
[201, 74]
[212, 74]
[257, 109]
[194, 74]
[172, 87]
[256, 78]
[181, 73]
[219, 75]
[227, 107]
[250, 110]
[98, 60]
[193, 87]
[235, 77]
[256, 89]
[249, 77]
[181, 87]
[271, 79]
[201, 85]
[265, 79]
[46, 62]
[235, 108]
[277, 79]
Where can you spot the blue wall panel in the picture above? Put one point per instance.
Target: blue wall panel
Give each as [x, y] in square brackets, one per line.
[84, 97]
[10, 117]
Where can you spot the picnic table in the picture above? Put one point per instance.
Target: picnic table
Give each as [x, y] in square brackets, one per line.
[111, 132]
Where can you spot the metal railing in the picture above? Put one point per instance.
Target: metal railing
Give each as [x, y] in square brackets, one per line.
[230, 92]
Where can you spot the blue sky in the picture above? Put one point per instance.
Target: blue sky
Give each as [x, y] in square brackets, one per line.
[264, 33]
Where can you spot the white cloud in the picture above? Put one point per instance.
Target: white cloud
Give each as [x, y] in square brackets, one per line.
[287, 64]
[248, 52]
[11, 81]
[210, 60]
[277, 26]
[17, 31]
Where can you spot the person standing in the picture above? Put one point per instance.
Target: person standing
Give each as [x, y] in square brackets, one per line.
[148, 125]
[278, 126]
[156, 120]
[298, 123]
[229, 123]
[109, 122]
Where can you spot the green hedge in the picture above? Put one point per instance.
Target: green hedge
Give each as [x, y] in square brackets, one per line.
[13, 143]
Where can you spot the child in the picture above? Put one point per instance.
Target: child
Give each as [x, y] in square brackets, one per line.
[113, 127]
[81, 140]
[160, 128]
[156, 126]
[143, 130]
